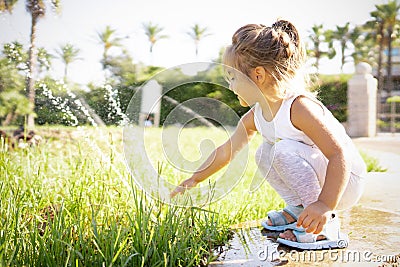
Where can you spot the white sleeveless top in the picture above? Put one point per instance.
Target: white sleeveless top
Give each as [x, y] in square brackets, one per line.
[281, 128]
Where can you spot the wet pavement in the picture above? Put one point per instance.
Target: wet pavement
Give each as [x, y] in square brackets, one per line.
[373, 225]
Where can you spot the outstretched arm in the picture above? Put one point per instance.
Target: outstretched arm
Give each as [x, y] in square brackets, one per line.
[222, 155]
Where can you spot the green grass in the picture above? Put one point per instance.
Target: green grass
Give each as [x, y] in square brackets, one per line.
[372, 163]
[71, 201]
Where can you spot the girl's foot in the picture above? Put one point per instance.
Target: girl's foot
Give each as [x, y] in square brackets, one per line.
[287, 216]
[284, 219]
[288, 235]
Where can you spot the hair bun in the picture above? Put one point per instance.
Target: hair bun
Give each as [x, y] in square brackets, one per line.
[287, 27]
[283, 42]
[284, 38]
[283, 25]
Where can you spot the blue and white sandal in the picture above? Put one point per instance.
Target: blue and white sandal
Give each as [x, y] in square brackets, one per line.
[278, 220]
[308, 241]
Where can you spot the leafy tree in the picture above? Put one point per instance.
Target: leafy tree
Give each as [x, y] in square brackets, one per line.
[122, 68]
[16, 54]
[13, 103]
[16, 104]
[364, 46]
[197, 33]
[37, 10]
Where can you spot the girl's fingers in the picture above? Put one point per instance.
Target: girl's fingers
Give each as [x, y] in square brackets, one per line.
[304, 219]
[312, 226]
[307, 222]
[178, 190]
[319, 228]
[300, 220]
[185, 185]
[181, 188]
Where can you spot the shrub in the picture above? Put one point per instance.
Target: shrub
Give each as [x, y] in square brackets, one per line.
[332, 91]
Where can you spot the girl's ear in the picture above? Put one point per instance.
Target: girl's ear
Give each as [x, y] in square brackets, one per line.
[259, 75]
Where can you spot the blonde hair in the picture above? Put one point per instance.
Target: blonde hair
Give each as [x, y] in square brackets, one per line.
[277, 48]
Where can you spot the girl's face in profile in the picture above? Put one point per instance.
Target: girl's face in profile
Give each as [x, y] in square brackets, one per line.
[243, 87]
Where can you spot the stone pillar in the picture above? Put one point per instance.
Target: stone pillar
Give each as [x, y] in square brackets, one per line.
[361, 102]
[151, 103]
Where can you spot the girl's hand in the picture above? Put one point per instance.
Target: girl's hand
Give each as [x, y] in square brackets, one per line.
[314, 217]
[185, 185]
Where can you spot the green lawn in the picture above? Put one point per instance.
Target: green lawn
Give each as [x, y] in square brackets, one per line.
[72, 201]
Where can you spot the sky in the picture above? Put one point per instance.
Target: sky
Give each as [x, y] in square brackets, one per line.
[80, 20]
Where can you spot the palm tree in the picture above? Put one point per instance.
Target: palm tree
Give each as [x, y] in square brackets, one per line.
[108, 39]
[343, 35]
[7, 5]
[197, 34]
[318, 36]
[68, 54]
[153, 32]
[37, 10]
[389, 13]
[385, 19]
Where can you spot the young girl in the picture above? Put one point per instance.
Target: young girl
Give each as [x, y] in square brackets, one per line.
[306, 156]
